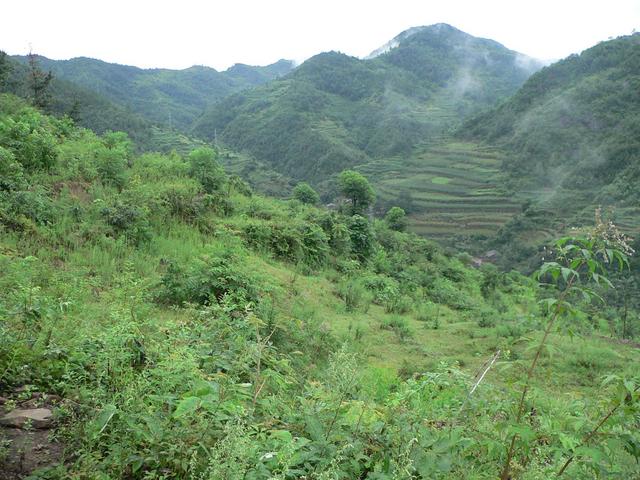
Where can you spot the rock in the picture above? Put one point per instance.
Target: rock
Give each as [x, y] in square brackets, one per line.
[36, 417]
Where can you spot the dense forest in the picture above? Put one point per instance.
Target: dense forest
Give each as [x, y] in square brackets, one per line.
[164, 317]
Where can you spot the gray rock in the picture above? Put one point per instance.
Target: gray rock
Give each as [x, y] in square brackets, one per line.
[36, 417]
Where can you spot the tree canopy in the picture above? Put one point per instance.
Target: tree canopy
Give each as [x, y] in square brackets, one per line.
[355, 187]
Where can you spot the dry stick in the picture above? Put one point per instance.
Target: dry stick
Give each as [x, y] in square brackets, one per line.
[507, 465]
[263, 345]
[592, 433]
[480, 376]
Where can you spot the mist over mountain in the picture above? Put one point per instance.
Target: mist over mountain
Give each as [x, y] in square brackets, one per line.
[571, 141]
[336, 111]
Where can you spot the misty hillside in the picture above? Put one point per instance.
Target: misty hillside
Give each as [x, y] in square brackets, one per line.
[174, 98]
[336, 111]
[571, 141]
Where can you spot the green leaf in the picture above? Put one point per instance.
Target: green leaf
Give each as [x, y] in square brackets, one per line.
[595, 454]
[186, 406]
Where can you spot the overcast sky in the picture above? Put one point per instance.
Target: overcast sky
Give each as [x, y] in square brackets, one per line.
[178, 34]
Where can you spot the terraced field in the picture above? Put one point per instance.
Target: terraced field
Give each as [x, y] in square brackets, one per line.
[451, 188]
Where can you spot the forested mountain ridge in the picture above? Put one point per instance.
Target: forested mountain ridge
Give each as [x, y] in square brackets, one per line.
[173, 98]
[570, 138]
[336, 111]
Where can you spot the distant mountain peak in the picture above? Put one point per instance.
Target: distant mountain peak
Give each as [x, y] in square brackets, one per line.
[398, 39]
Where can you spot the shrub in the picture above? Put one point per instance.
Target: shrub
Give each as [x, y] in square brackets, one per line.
[205, 168]
[209, 280]
[397, 303]
[487, 318]
[305, 194]
[129, 221]
[353, 294]
[111, 165]
[362, 237]
[23, 209]
[11, 172]
[30, 141]
[396, 219]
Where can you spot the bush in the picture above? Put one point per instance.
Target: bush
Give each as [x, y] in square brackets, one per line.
[209, 280]
[396, 219]
[11, 172]
[487, 318]
[129, 221]
[397, 303]
[205, 168]
[362, 237]
[353, 294]
[23, 209]
[111, 165]
[305, 194]
[30, 141]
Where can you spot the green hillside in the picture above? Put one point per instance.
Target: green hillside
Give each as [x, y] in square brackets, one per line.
[570, 139]
[180, 326]
[336, 111]
[172, 98]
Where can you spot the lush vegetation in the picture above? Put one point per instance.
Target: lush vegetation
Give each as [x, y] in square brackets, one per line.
[171, 98]
[195, 329]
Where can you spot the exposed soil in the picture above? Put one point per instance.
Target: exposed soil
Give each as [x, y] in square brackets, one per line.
[26, 450]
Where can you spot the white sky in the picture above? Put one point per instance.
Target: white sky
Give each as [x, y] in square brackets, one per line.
[178, 34]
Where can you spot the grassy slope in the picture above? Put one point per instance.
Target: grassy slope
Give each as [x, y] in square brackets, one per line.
[96, 294]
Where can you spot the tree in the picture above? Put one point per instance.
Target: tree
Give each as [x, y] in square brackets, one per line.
[357, 189]
[206, 169]
[396, 219]
[5, 70]
[305, 194]
[39, 83]
[362, 237]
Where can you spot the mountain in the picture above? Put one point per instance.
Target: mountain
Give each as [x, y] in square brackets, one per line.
[174, 98]
[90, 109]
[335, 111]
[570, 139]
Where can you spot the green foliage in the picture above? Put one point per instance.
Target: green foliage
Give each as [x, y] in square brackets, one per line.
[111, 165]
[396, 219]
[11, 172]
[129, 221]
[28, 137]
[305, 194]
[204, 167]
[355, 187]
[209, 280]
[362, 237]
[195, 335]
